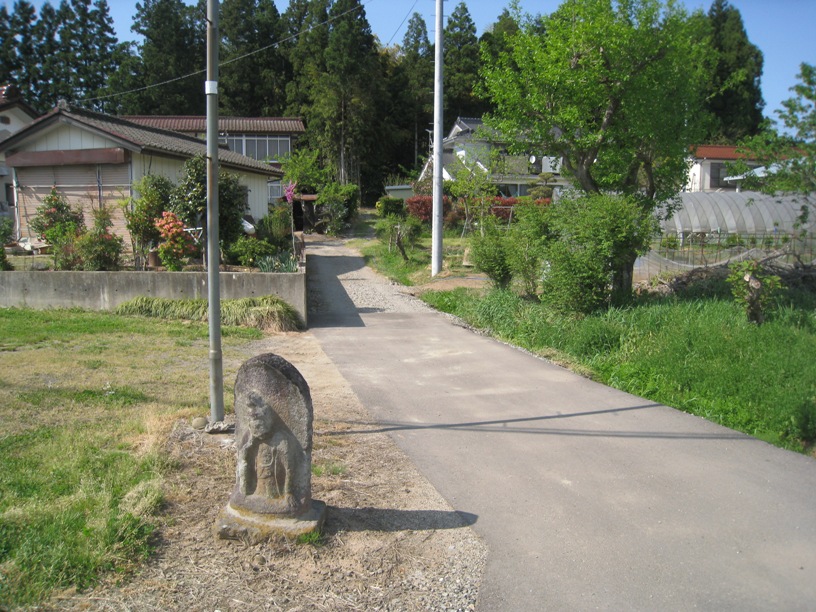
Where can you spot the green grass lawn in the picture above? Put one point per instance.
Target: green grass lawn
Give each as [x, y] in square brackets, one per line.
[86, 401]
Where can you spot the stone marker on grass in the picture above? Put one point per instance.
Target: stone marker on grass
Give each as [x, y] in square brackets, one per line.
[273, 435]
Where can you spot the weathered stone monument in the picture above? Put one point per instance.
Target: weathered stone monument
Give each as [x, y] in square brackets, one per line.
[273, 435]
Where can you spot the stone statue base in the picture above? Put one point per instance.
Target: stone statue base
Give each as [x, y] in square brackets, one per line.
[254, 528]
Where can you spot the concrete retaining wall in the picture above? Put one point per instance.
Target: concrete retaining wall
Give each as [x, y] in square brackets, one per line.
[106, 290]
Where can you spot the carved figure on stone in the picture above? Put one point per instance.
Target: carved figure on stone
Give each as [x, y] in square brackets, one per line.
[273, 414]
[273, 436]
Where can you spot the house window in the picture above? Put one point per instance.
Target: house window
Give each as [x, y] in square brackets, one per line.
[717, 177]
[270, 148]
[275, 189]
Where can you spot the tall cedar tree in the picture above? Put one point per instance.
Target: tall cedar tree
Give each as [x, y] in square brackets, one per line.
[614, 90]
[346, 107]
[54, 56]
[25, 71]
[253, 72]
[461, 61]
[735, 93]
[174, 46]
[416, 66]
[7, 57]
[307, 35]
[494, 41]
[96, 42]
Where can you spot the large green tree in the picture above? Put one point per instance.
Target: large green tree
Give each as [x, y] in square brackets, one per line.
[6, 46]
[735, 94]
[307, 36]
[346, 105]
[461, 61]
[615, 89]
[416, 67]
[253, 71]
[23, 34]
[173, 47]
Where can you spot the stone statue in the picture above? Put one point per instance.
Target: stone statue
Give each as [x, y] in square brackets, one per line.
[273, 435]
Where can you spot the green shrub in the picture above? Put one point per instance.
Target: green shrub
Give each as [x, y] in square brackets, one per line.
[6, 232]
[189, 200]
[60, 226]
[247, 250]
[526, 245]
[387, 206]
[595, 237]
[336, 205]
[400, 232]
[276, 227]
[754, 290]
[490, 253]
[99, 248]
[141, 214]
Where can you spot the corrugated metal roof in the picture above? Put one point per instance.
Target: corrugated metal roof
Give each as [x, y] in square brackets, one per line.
[731, 212]
[145, 138]
[236, 125]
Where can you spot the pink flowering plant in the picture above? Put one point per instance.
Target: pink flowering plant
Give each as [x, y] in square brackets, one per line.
[176, 244]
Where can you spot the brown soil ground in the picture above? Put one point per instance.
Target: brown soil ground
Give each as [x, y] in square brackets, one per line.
[390, 542]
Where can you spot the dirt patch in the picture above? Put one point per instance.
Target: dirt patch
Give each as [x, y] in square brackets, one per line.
[391, 542]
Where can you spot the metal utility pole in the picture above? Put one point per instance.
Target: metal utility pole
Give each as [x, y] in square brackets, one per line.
[436, 233]
[213, 250]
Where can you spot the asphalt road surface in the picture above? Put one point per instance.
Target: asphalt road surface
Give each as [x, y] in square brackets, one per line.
[587, 497]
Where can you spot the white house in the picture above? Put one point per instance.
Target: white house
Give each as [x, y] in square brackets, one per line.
[15, 114]
[93, 159]
[471, 142]
[709, 168]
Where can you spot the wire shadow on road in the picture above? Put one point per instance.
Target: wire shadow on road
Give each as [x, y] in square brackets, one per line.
[390, 519]
[507, 426]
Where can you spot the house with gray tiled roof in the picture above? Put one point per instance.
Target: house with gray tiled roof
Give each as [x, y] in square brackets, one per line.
[93, 159]
[264, 138]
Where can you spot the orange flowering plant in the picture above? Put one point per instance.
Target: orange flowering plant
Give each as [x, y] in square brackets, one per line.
[176, 244]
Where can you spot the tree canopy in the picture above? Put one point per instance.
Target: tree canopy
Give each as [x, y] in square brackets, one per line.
[614, 89]
[734, 94]
[788, 155]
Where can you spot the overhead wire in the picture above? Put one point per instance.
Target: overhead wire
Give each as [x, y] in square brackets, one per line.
[234, 59]
[401, 23]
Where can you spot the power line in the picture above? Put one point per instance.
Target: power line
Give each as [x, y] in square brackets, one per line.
[402, 22]
[235, 59]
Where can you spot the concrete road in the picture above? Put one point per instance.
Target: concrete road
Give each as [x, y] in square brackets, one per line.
[587, 497]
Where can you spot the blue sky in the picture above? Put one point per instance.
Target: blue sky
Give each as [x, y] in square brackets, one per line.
[782, 29]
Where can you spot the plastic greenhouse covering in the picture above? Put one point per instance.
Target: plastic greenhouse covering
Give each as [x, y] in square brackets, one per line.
[743, 213]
